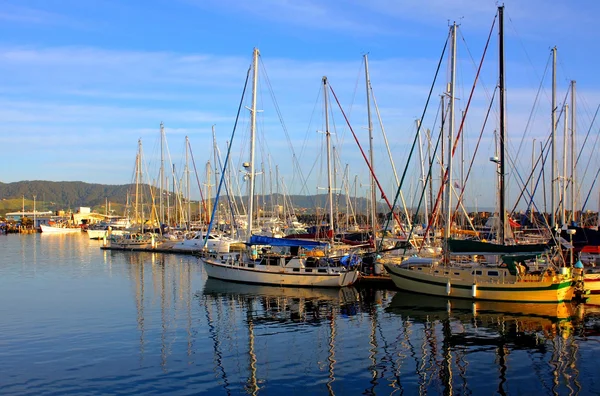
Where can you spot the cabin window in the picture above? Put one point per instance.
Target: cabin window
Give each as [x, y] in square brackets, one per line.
[492, 273]
[457, 273]
[478, 272]
[296, 269]
[250, 265]
[308, 270]
[446, 273]
[436, 271]
[322, 270]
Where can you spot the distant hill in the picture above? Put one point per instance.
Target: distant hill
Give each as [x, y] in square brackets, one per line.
[59, 195]
[71, 195]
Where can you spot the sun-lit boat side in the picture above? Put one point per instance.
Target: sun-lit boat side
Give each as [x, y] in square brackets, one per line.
[289, 262]
[59, 229]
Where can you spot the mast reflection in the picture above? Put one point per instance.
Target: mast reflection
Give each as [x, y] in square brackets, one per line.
[465, 331]
[270, 310]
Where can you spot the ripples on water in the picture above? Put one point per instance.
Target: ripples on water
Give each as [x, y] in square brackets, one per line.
[79, 320]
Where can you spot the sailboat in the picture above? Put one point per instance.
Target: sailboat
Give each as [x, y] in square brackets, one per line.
[284, 262]
[517, 273]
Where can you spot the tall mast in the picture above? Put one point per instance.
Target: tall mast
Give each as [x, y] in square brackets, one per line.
[216, 165]
[553, 139]
[162, 174]
[563, 206]
[423, 177]
[187, 182]
[530, 206]
[450, 135]
[442, 124]
[371, 155]
[502, 192]
[252, 139]
[430, 164]
[328, 140]
[208, 194]
[138, 172]
[277, 190]
[174, 197]
[573, 167]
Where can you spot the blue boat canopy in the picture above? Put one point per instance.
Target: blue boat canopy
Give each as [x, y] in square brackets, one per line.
[266, 240]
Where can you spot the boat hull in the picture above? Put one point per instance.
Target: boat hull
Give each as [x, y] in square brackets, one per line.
[59, 230]
[275, 275]
[592, 283]
[427, 282]
[197, 245]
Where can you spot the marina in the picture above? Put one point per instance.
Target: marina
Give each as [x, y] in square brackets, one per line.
[102, 321]
[410, 206]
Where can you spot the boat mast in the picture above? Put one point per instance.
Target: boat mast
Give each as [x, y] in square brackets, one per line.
[250, 166]
[423, 177]
[189, 200]
[162, 174]
[277, 192]
[138, 172]
[328, 140]
[371, 154]
[450, 135]
[573, 167]
[553, 139]
[502, 192]
[216, 165]
[563, 206]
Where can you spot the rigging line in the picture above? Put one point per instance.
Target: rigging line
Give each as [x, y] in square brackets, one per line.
[417, 134]
[590, 157]
[423, 191]
[590, 190]
[542, 158]
[366, 160]
[582, 177]
[535, 101]
[304, 184]
[460, 129]
[210, 224]
[227, 193]
[585, 141]
[198, 180]
[518, 179]
[372, 93]
[284, 127]
[342, 136]
[429, 172]
[485, 89]
[464, 182]
[587, 135]
[526, 53]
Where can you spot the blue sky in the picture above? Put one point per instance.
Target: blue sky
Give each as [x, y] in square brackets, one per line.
[82, 81]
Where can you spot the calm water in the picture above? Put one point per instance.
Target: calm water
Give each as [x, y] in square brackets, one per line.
[78, 320]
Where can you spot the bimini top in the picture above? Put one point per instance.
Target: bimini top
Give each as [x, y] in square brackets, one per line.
[266, 240]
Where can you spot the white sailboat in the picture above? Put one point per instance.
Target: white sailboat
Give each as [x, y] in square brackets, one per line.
[59, 228]
[506, 280]
[285, 262]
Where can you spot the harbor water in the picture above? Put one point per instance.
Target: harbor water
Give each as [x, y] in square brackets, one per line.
[75, 319]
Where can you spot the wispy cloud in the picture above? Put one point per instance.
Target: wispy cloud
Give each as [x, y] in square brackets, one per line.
[67, 105]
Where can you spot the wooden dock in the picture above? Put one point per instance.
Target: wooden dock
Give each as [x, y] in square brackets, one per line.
[151, 250]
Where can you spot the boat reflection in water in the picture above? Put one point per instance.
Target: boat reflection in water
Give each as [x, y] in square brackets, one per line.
[217, 337]
[276, 322]
[451, 341]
